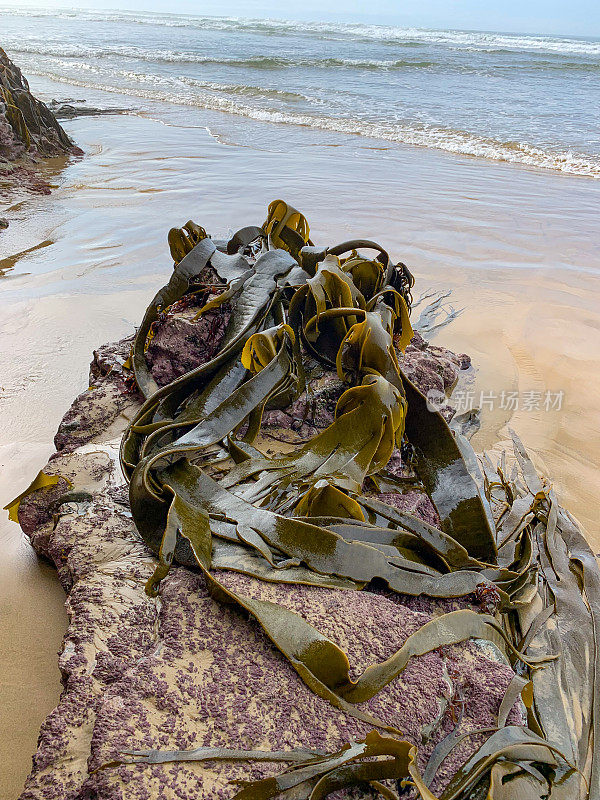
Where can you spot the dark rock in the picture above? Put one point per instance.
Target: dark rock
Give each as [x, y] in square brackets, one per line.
[313, 411]
[63, 109]
[29, 131]
[26, 124]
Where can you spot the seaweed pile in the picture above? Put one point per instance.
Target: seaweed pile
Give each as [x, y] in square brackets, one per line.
[202, 494]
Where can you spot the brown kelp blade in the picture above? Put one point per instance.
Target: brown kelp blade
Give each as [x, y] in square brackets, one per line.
[286, 227]
[441, 467]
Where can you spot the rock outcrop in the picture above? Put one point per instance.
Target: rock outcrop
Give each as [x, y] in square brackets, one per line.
[26, 124]
[69, 109]
[181, 671]
[29, 131]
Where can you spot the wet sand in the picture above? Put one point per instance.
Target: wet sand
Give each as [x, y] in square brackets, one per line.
[517, 247]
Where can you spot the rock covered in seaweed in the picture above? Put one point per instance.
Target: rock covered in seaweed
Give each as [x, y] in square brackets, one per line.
[29, 130]
[173, 672]
[26, 124]
[299, 537]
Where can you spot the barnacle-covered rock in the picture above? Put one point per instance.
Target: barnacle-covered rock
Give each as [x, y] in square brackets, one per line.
[173, 672]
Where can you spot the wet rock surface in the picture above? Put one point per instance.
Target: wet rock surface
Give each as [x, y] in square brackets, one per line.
[26, 124]
[181, 670]
[69, 109]
[106, 406]
[29, 131]
[435, 370]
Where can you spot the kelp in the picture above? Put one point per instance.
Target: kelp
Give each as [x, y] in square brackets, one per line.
[15, 117]
[286, 228]
[41, 481]
[183, 240]
[203, 495]
[312, 775]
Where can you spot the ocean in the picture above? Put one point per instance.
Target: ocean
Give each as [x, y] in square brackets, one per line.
[531, 100]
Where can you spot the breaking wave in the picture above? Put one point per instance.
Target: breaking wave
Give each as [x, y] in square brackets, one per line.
[447, 139]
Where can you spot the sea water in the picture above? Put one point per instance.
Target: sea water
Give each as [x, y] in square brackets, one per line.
[527, 99]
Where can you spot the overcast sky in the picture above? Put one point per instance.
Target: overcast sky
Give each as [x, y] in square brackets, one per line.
[575, 17]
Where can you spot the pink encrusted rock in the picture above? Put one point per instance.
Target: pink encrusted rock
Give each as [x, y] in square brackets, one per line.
[100, 566]
[38, 508]
[175, 672]
[107, 406]
[182, 670]
[181, 343]
[181, 340]
[109, 360]
[433, 368]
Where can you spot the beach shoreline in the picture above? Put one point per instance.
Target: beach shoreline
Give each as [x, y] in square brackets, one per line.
[491, 95]
[515, 247]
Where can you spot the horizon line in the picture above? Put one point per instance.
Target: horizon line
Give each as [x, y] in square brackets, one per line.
[405, 26]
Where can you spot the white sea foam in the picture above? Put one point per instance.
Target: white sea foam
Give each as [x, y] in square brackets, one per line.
[452, 141]
[491, 95]
[154, 55]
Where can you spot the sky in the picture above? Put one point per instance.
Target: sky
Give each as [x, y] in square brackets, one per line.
[572, 17]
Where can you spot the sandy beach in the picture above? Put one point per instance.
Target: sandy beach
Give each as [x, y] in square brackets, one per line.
[517, 247]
